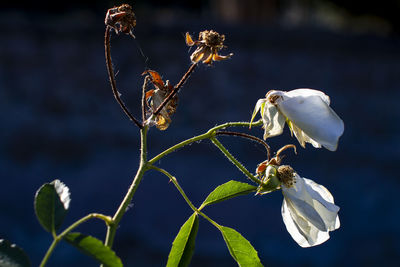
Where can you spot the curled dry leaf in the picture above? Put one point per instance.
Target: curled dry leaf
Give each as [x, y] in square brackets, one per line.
[156, 96]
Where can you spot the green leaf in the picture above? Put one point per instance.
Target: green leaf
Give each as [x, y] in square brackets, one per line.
[94, 248]
[183, 246]
[226, 191]
[51, 205]
[241, 249]
[12, 256]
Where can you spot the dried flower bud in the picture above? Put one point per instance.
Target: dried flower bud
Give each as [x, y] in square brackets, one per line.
[121, 19]
[286, 175]
[208, 45]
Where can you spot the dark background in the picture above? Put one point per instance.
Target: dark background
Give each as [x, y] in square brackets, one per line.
[60, 121]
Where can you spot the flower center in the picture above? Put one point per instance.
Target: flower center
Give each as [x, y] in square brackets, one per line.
[212, 38]
[286, 175]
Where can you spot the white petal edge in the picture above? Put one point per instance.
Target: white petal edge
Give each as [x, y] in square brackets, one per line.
[273, 121]
[303, 138]
[324, 197]
[309, 92]
[309, 110]
[299, 198]
[304, 233]
[309, 212]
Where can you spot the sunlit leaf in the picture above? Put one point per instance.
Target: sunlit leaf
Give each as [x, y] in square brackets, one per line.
[51, 205]
[183, 246]
[240, 248]
[94, 248]
[228, 190]
[12, 256]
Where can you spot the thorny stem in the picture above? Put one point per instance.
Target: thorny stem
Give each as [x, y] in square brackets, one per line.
[234, 160]
[278, 157]
[143, 166]
[146, 80]
[284, 148]
[206, 135]
[176, 89]
[58, 238]
[247, 136]
[112, 223]
[175, 182]
[111, 75]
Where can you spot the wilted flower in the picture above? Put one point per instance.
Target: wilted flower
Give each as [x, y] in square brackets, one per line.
[308, 209]
[307, 114]
[157, 96]
[121, 19]
[208, 45]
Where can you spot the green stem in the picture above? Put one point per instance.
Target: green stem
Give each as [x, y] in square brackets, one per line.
[234, 160]
[209, 219]
[112, 228]
[58, 238]
[210, 133]
[175, 182]
[49, 251]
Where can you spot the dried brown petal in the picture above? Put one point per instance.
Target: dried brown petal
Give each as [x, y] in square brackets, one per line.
[208, 45]
[189, 40]
[198, 54]
[217, 57]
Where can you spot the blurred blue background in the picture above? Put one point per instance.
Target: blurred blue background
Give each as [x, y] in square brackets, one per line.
[60, 121]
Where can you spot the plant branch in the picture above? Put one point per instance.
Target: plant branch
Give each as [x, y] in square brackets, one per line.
[234, 160]
[200, 137]
[247, 136]
[111, 75]
[112, 228]
[176, 89]
[146, 80]
[175, 182]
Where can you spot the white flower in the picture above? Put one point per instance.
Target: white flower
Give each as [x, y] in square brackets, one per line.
[308, 211]
[307, 113]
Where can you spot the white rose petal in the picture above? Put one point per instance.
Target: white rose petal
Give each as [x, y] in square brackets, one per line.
[309, 212]
[309, 110]
[273, 121]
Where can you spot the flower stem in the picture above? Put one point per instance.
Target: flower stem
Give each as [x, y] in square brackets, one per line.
[248, 136]
[111, 76]
[146, 80]
[176, 89]
[143, 166]
[206, 135]
[234, 160]
[58, 238]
